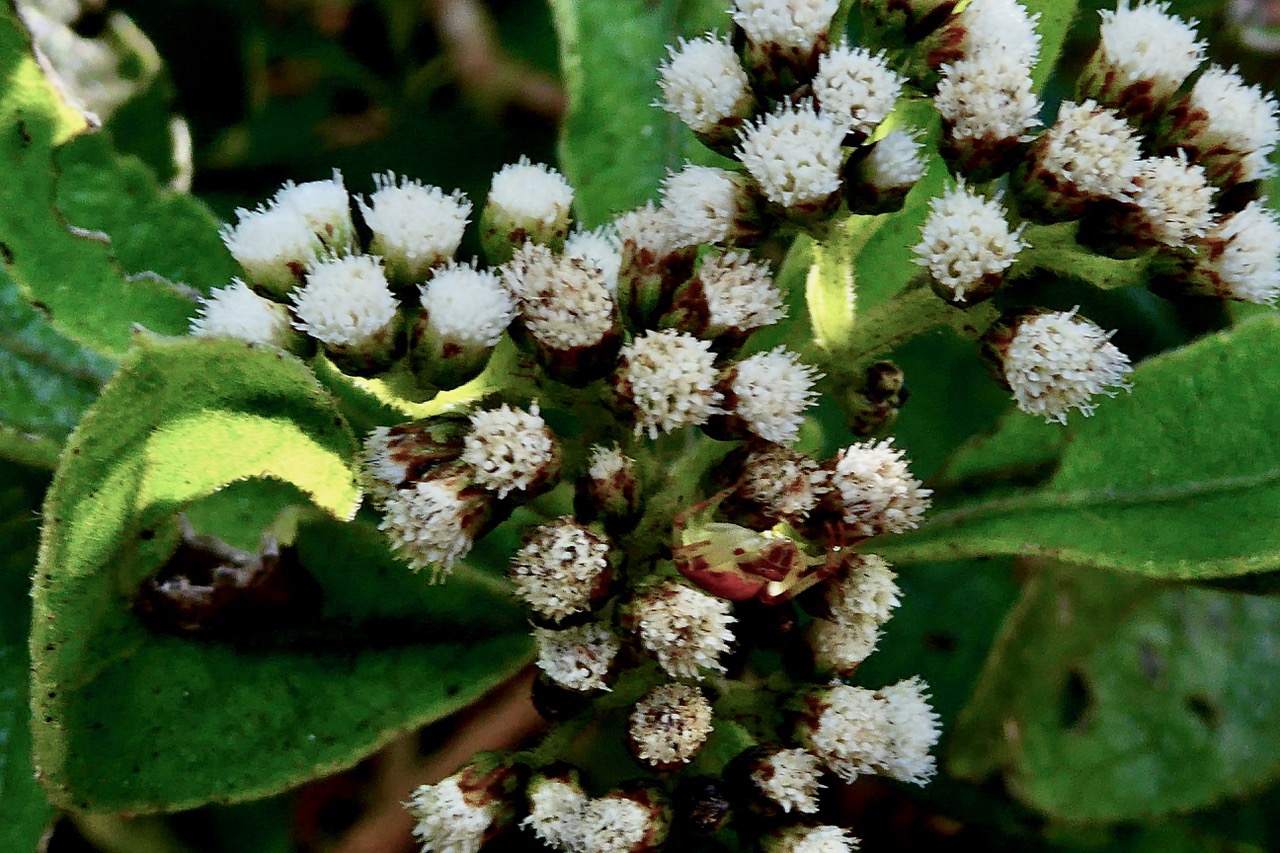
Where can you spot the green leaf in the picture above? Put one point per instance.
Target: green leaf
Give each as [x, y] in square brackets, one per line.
[24, 811]
[46, 382]
[1162, 698]
[1056, 17]
[615, 146]
[73, 274]
[1179, 479]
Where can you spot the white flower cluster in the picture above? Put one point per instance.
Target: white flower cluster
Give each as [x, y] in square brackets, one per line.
[1144, 44]
[966, 242]
[1092, 150]
[795, 154]
[791, 778]
[1239, 117]
[787, 484]
[578, 658]
[856, 86]
[509, 448]
[706, 204]
[428, 526]
[1243, 255]
[564, 301]
[703, 83]
[858, 603]
[895, 161]
[467, 306]
[601, 248]
[787, 23]
[670, 378]
[686, 630]
[565, 819]
[235, 311]
[740, 293]
[415, 226]
[532, 198]
[447, 820]
[770, 392]
[891, 731]
[877, 493]
[557, 573]
[811, 839]
[669, 725]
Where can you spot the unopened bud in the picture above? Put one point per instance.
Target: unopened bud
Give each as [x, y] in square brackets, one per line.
[874, 406]
[703, 807]
[527, 203]
[347, 305]
[464, 313]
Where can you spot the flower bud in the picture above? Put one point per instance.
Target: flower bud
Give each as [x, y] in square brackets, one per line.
[633, 819]
[436, 521]
[874, 407]
[274, 245]
[1089, 155]
[325, 206]
[729, 298]
[235, 311]
[556, 803]
[562, 570]
[912, 19]
[464, 313]
[795, 155]
[1227, 126]
[347, 305]
[656, 259]
[704, 85]
[703, 807]
[467, 810]
[528, 203]
[686, 630]
[878, 177]
[873, 493]
[987, 108]
[567, 310]
[667, 380]
[967, 245]
[777, 485]
[1238, 259]
[1054, 361]
[1143, 56]
[765, 395]
[821, 838]
[710, 205]
[1172, 205]
[784, 39]
[857, 89]
[611, 487]
[669, 725]
[415, 227]
[512, 450]
[399, 456]
[579, 658]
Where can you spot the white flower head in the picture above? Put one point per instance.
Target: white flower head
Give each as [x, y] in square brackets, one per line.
[560, 569]
[788, 23]
[648, 234]
[913, 732]
[235, 311]
[578, 658]
[415, 226]
[785, 482]
[966, 241]
[1093, 150]
[740, 293]
[345, 302]
[813, 839]
[705, 203]
[795, 154]
[1144, 43]
[1248, 264]
[613, 824]
[703, 83]
[840, 646]
[274, 245]
[791, 778]
[510, 449]
[1057, 362]
[565, 301]
[325, 206]
[601, 248]
[988, 96]
[685, 629]
[895, 161]
[876, 490]
[867, 590]
[607, 462]
[447, 820]
[669, 724]
[555, 809]
[670, 378]
[1175, 198]
[770, 392]
[856, 87]
[467, 306]
[1244, 118]
[850, 733]
[532, 195]
[431, 524]
[1001, 28]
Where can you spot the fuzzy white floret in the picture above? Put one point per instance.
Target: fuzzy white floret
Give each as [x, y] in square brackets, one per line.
[601, 248]
[851, 734]
[1249, 265]
[685, 629]
[468, 306]
[965, 238]
[555, 808]
[414, 224]
[346, 301]
[1093, 150]
[611, 825]
[525, 192]
[1176, 199]
[445, 821]
[868, 590]
[987, 96]
[913, 732]
[577, 658]
[605, 463]
[671, 381]
[702, 82]
[703, 202]
[650, 230]
[380, 468]
[557, 571]
[425, 523]
[1057, 362]
[791, 778]
[1001, 27]
[856, 87]
[1145, 42]
[235, 311]
[740, 293]
[876, 488]
[788, 23]
[565, 301]
[788, 483]
[794, 153]
[508, 448]
[324, 204]
[670, 724]
[1243, 117]
[772, 391]
[897, 160]
[817, 839]
[842, 645]
[267, 240]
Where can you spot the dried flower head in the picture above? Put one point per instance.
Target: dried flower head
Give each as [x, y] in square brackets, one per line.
[856, 87]
[685, 629]
[670, 724]
[561, 569]
[703, 84]
[770, 391]
[235, 311]
[415, 226]
[966, 243]
[785, 483]
[790, 778]
[578, 658]
[795, 154]
[669, 379]
[467, 306]
[875, 489]
[510, 449]
[346, 302]
[787, 23]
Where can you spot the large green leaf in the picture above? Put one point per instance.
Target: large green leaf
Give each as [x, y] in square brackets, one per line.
[1056, 17]
[24, 811]
[1112, 698]
[616, 146]
[1179, 479]
[92, 290]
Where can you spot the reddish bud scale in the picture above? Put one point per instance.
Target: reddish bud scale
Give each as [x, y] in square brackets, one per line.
[1185, 127]
[778, 70]
[647, 281]
[982, 159]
